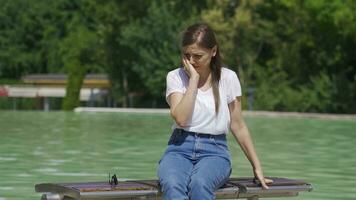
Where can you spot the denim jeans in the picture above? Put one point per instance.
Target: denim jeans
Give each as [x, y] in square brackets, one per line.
[194, 166]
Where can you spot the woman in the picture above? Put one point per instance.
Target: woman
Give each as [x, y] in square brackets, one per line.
[205, 102]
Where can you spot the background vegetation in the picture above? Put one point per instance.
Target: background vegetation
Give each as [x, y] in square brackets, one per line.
[294, 55]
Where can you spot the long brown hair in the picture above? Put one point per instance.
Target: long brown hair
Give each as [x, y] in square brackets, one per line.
[203, 36]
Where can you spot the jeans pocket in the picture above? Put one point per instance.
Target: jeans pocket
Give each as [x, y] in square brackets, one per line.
[221, 145]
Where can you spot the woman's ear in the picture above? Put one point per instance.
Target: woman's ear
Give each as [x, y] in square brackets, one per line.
[214, 49]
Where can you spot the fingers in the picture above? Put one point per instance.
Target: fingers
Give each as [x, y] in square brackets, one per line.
[260, 177]
[189, 68]
[264, 182]
[264, 185]
[268, 180]
[185, 66]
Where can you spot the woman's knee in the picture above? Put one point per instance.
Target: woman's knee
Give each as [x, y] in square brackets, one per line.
[201, 183]
[200, 188]
[208, 183]
[172, 182]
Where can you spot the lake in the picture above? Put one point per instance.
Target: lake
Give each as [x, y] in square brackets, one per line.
[37, 147]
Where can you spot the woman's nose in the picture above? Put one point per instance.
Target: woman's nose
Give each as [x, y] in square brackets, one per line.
[191, 60]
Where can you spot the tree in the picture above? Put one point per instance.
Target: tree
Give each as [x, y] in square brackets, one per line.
[112, 17]
[296, 55]
[21, 24]
[286, 49]
[154, 42]
[78, 50]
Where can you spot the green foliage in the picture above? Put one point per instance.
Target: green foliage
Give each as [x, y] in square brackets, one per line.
[112, 17]
[75, 63]
[154, 40]
[9, 103]
[319, 88]
[296, 55]
[19, 51]
[78, 52]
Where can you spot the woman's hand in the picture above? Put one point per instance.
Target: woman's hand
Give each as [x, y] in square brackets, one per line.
[189, 69]
[264, 181]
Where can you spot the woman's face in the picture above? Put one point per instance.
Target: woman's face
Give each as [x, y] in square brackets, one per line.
[198, 56]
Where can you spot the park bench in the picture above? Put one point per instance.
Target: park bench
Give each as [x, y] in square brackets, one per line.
[235, 188]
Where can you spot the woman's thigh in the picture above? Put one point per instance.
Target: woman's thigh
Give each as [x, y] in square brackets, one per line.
[213, 171]
[174, 167]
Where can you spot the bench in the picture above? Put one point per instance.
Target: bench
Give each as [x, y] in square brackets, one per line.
[235, 188]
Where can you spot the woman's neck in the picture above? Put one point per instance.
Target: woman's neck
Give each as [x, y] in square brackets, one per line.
[205, 76]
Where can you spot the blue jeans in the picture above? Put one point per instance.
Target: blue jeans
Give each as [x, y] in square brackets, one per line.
[194, 166]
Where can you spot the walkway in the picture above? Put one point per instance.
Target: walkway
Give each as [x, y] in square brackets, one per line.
[245, 113]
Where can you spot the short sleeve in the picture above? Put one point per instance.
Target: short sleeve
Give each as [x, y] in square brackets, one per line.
[173, 84]
[233, 87]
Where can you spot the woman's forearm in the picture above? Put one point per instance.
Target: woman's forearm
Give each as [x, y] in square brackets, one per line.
[184, 109]
[245, 141]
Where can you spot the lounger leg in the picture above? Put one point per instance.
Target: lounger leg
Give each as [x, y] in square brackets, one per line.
[52, 196]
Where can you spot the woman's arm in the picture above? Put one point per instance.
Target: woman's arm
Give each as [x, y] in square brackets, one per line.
[182, 105]
[242, 135]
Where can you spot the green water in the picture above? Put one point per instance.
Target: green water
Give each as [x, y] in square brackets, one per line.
[37, 147]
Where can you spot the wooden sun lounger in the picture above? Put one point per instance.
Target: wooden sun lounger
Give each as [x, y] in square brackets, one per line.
[235, 188]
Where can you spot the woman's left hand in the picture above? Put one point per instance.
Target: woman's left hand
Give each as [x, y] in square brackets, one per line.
[264, 181]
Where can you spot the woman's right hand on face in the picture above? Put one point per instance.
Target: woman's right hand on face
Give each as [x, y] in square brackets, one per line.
[189, 69]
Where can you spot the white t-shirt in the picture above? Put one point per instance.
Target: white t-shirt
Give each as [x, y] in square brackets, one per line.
[204, 119]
